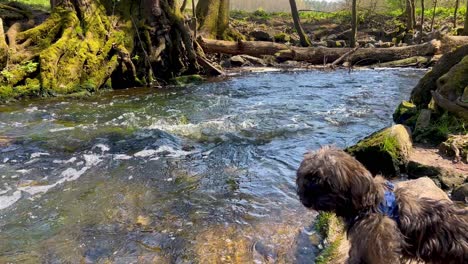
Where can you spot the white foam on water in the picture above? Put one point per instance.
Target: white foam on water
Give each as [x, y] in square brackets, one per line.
[8, 200]
[121, 157]
[145, 153]
[31, 109]
[39, 154]
[71, 160]
[171, 152]
[92, 159]
[61, 129]
[215, 127]
[69, 174]
[102, 147]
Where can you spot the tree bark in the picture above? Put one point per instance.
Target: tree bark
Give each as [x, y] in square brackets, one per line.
[421, 30]
[450, 106]
[457, 3]
[352, 41]
[465, 29]
[421, 94]
[305, 42]
[409, 15]
[433, 14]
[184, 4]
[213, 18]
[80, 48]
[318, 55]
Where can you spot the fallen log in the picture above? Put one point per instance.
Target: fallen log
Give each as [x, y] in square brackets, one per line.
[253, 48]
[318, 55]
[417, 61]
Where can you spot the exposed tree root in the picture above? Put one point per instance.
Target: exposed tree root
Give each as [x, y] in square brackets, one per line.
[80, 47]
[450, 106]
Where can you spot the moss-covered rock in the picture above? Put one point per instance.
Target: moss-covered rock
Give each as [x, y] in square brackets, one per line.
[406, 113]
[332, 230]
[385, 152]
[282, 37]
[187, 80]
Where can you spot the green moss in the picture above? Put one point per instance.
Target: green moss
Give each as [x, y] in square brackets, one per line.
[383, 141]
[282, 37]
[452, 84]
[440, 128]
[322, 223]
[6, 92]
[384, 152]
[329, 253]
[187, 79]
[331, 229]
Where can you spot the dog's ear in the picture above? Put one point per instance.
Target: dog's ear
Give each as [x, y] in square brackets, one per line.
[363, 189]
[346, 175]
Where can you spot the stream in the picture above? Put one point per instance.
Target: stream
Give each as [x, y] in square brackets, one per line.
[204, 174]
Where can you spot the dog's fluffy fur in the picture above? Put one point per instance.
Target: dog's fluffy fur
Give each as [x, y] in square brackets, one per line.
[428, 230]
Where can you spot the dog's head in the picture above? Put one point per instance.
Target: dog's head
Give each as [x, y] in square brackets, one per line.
[332, 180]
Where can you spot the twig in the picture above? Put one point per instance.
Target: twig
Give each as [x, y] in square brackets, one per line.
[340, 59]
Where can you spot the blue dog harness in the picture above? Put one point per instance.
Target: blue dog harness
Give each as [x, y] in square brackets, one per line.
[389, 206]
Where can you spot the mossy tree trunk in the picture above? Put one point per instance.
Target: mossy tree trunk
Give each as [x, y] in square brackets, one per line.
[352, 41]
[305, 42]
[184, 4]
[88, 44]
[213, 18]
[465, 30]
[434, 3]
[409, 15]
[421, 30]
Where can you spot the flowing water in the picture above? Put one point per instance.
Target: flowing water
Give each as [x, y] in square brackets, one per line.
[204, 174]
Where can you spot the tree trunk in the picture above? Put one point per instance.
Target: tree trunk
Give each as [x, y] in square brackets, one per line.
[465, 29]
[409, 15]
[352, 41]
[421, 94]
[457, 3]
[213, 18]
[184, 4]
[318, 55]
[305, 42]
[421, 30]
[433, 14]
[53, 3]
[80, 48]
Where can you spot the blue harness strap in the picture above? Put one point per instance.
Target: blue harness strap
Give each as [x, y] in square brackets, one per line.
[389, 206]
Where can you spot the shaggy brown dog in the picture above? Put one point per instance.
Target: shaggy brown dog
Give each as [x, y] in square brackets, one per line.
[422, 230]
